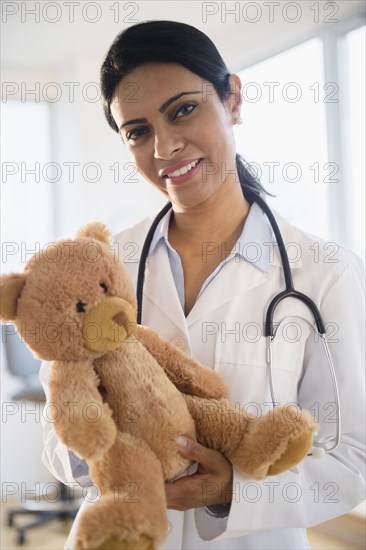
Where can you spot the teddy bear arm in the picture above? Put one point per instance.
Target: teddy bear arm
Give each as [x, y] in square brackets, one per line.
[81, 420]
[188, 375]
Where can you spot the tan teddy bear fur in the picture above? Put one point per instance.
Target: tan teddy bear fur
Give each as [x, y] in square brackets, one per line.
[75, 305]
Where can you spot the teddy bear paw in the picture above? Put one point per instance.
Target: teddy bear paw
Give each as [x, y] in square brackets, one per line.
[98, 444]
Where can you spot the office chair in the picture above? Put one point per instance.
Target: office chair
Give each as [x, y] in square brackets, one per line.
[21, 363]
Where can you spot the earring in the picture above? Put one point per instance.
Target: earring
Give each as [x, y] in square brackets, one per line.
[239, 120]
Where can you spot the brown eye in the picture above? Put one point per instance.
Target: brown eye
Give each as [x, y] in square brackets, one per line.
[104, 287]
[183, 109]
[80, 307]
[135, 134]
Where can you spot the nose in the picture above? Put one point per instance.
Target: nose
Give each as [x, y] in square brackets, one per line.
[120, 318]
[168, 141]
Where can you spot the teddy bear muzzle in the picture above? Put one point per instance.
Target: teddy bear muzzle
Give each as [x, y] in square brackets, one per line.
[108, 324]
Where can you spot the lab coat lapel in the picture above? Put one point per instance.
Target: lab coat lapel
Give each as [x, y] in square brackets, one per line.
[237, 277]
[160, 289]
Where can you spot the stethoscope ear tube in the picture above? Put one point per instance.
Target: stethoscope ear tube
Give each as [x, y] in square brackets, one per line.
[143, 259]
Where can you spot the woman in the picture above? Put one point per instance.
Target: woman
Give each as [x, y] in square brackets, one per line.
[169, 95]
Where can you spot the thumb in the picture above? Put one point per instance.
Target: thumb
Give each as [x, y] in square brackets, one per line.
[194, 450]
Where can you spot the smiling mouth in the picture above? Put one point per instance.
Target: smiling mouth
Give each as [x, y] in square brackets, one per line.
[183, 170]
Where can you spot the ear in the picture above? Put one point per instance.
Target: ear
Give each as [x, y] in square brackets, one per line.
[11, 287]
[95, 230]
[235, 97]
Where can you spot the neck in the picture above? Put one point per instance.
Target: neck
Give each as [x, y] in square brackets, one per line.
[218, 219]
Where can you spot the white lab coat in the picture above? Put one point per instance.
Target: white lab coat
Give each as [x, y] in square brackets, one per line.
[224, 330]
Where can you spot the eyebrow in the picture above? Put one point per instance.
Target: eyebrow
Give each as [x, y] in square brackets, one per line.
[163, 108]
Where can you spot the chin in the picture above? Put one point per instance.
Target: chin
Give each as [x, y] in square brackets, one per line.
[189, 202]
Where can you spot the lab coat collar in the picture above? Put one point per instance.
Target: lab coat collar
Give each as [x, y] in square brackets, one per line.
[255, 236]
[237, 277]
[249, 262]
[253, 245]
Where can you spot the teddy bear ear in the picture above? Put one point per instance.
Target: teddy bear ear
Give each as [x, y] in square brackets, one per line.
[11, 287]
[95, 230]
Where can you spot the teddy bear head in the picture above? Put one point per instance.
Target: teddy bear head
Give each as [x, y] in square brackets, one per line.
[74, 299]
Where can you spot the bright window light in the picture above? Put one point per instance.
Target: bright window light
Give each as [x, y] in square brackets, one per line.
[284, 133]
[26, 188]
[353, 111]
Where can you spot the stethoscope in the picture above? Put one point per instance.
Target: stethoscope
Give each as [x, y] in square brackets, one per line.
[252, 195]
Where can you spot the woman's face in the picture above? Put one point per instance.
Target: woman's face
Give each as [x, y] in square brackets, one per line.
[172, 120]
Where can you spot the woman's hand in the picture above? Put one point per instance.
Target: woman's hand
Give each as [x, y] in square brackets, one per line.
[211, 484]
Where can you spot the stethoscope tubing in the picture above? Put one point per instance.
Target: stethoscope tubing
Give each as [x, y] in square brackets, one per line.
[143, 259]
[290, 292]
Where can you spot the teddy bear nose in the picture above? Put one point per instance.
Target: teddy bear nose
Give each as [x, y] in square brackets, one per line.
[120, 318]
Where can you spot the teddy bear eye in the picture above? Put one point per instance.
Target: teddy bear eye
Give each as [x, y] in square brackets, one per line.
[80, 307]
[104, 287]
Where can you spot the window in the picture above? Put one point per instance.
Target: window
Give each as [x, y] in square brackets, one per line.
[353, 118]
[304, 134]
[26, 192]
[284, 133]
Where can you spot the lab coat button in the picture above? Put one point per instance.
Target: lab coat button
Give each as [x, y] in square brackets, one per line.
[179, 342]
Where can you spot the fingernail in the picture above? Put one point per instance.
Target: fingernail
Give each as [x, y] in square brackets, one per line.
[181, 441]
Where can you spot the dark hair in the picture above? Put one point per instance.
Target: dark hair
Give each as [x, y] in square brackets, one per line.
[168, 42]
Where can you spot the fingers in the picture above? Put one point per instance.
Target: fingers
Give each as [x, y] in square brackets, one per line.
[182, 494]
[211, 484]
[195, 491]
[198, 491]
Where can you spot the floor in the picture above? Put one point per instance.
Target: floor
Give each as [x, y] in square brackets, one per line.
[48, 537]
[53, 536]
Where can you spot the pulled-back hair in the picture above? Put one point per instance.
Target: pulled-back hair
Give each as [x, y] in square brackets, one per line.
[168, 42]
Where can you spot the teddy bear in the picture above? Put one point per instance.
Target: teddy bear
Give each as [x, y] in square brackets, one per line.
[122, 394]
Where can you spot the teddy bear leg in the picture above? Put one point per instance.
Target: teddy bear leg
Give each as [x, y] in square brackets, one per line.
[257, 446]
[131, 511]
[220, 424]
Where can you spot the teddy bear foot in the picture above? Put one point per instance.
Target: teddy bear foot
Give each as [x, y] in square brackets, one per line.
[139, 524]
[297, 449]
[143, 543]
[275, 442]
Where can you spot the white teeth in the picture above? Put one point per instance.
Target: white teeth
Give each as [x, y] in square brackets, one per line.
[183, 170]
